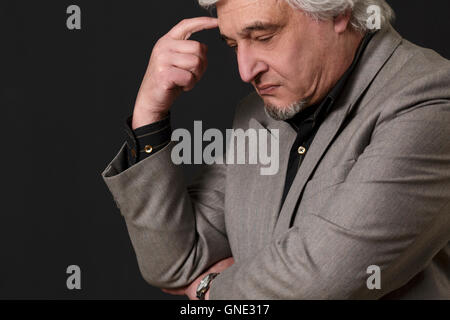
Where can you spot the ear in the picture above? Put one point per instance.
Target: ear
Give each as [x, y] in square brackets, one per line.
[341, 22]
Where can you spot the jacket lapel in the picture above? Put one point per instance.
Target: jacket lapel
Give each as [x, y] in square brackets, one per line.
[273, 185]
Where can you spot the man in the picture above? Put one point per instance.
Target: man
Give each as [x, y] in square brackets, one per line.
[364, 178]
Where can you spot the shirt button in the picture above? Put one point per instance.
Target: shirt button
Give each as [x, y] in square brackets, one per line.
[301, 150]
[148, 149]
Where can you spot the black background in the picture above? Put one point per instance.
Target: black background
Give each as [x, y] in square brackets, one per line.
[64, 95]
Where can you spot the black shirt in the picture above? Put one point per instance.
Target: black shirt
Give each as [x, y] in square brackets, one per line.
[147, 140]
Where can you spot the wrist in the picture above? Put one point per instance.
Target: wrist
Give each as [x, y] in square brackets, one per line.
[142, 118]
[203, 288]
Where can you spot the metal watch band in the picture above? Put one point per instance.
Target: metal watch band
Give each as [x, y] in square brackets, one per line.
[205, 284]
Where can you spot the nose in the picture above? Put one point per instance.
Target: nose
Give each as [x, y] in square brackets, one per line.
[249, 64]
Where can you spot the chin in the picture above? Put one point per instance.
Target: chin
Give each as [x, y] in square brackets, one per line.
[278, 103]
[284, 111]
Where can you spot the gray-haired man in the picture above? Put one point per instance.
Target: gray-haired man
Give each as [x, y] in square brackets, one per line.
[364, 179]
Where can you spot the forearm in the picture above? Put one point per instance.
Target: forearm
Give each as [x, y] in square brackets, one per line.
[175, 233]
[331, 262]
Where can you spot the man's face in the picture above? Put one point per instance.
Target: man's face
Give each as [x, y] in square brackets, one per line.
[281, 51]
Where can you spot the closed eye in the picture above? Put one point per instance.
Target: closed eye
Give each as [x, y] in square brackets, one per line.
[264, 39]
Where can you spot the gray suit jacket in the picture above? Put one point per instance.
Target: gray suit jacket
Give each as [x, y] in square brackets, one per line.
[375, 188]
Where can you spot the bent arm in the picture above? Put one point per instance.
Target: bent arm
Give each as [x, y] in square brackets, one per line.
[177, 232]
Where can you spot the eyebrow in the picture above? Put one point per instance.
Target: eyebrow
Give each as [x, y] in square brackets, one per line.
[255, 26]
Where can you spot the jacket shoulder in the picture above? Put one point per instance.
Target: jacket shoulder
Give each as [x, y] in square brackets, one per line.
[413, 78]
[417, 72]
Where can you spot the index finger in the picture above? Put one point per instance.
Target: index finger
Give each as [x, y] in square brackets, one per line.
[184, 29]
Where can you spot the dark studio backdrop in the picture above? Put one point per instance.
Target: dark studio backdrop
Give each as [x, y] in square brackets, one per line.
[64, 95]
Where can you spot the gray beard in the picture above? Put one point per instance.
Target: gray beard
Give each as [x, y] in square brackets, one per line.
[285, 113]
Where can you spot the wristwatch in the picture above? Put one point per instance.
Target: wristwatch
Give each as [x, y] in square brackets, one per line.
[204, 285]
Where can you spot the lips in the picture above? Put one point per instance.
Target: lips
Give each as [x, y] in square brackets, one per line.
[266, 89]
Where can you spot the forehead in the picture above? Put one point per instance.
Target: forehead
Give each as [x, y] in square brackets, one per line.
[234, 15]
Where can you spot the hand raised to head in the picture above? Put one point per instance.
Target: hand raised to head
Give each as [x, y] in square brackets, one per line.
[176, 65]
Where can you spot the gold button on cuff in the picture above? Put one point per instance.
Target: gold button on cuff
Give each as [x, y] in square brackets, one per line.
[148, 149]
[301, 150]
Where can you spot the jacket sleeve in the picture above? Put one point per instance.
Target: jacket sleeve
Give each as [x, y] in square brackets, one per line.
[176, 231]
[392, 211]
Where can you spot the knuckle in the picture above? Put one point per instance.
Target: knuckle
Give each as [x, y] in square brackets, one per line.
[183, 22]
[190, 77]
[197, 61]
[159, 43]
[162, 43]
[156, 52]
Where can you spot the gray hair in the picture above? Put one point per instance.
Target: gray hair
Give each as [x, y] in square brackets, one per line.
[328, 9]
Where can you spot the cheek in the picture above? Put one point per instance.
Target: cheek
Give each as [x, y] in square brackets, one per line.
[293, 63]
[283, 65]
[302, 71]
